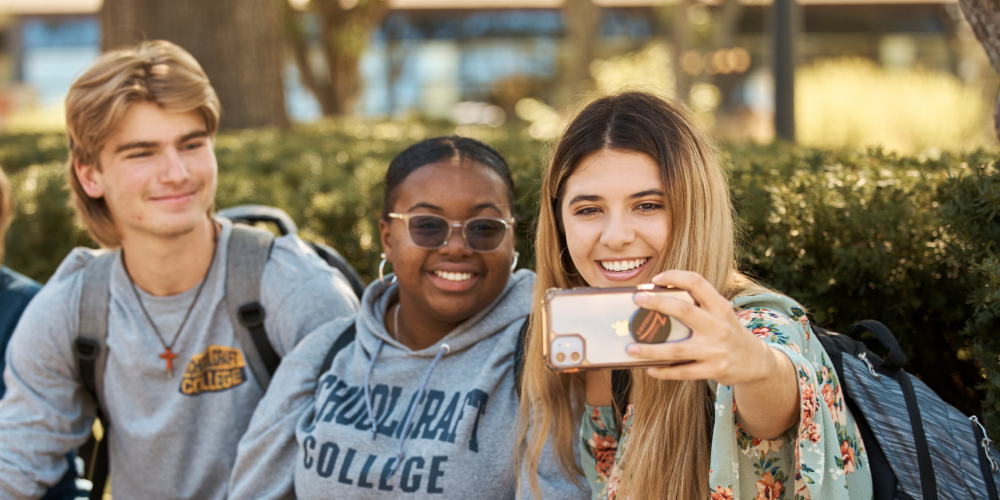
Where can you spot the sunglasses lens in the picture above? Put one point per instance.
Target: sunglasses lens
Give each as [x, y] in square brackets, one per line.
[485, 234]
[428, 231]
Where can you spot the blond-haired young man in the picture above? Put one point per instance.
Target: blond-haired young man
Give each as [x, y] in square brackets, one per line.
[176, 385]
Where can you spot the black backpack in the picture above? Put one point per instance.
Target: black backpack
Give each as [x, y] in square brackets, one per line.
[918, 446]
[248, 252]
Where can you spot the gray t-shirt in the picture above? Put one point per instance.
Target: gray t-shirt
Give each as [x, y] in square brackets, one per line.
[171, 437]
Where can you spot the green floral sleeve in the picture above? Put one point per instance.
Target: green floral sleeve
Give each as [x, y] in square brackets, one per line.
[821, 457]
[599, 445]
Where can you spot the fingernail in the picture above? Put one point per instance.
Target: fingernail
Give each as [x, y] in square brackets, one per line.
[641, 297]
[632, 349]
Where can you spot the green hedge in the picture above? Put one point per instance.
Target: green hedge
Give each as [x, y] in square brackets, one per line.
[868, 235]
[852, 235]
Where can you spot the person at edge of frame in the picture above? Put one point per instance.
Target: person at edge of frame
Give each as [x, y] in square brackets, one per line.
[752, 407]
[177, 390]
[421, 403]
[16, 291]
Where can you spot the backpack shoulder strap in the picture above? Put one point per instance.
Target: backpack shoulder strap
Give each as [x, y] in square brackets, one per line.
[519, 354]
[248, 252]
[90, 347]
[345, 338]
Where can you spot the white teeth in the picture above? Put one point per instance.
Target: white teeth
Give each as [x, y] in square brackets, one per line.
[453, 276]
[622, 265]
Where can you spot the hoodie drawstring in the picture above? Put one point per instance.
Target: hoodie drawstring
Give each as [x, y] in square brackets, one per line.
[445, 348]
[368, 390]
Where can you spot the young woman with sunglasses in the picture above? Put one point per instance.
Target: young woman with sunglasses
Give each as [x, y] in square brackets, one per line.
[420, 403]
[634, 194]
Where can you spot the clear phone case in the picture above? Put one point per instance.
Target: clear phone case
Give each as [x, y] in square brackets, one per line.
[588, 329]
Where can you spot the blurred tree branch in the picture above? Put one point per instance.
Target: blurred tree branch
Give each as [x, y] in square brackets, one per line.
[984, 17]
[680, 41]
[729, 19]
[344, 28]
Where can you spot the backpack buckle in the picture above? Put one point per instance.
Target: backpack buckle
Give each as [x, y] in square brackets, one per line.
[985, 443]
[87, 349]
[864, 357]
[252, 314]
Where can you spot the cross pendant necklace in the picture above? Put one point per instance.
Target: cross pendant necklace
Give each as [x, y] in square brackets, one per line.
[168, 353]
[169, 356]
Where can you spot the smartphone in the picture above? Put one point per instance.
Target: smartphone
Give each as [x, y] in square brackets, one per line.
[589, 328]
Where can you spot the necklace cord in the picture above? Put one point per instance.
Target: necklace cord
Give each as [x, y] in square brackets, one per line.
[159, 336]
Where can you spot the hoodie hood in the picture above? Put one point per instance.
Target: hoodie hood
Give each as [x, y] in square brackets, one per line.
[508, 307]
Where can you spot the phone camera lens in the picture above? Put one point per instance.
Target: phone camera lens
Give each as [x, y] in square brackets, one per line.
[575, 356]
[560, 357]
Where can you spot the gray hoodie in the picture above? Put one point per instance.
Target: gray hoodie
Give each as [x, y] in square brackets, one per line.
[311, 437]
[172, 437]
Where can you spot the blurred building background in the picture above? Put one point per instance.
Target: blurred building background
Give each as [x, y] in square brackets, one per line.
[868, 71]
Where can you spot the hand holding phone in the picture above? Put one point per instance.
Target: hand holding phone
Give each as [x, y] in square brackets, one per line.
[589, 329]
[721, 348]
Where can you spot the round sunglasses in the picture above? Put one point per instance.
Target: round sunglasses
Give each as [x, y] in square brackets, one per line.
[482, 234]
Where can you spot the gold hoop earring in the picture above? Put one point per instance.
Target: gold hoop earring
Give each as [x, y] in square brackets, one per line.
[381, 272]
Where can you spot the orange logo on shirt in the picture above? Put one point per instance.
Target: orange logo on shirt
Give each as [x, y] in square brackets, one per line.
[217, 369]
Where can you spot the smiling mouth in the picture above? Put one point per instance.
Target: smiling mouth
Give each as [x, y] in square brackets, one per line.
[173, 197]
[457, 277]
[619, 266]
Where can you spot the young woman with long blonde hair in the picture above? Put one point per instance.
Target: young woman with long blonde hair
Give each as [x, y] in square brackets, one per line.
[634, 194]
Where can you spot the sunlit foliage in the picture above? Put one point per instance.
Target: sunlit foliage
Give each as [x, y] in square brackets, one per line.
[852, 102]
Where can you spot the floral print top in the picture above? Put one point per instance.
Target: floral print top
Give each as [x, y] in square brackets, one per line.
[819, 458]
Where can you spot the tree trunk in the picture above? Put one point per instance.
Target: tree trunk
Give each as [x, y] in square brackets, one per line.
[984, 17]
[582, 20]
[237, 42]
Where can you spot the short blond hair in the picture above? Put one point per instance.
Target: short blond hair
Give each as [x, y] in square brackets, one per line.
[158, 72]
[6, 209]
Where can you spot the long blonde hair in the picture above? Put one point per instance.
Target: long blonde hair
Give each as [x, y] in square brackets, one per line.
[668, 456]
[159, 72]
